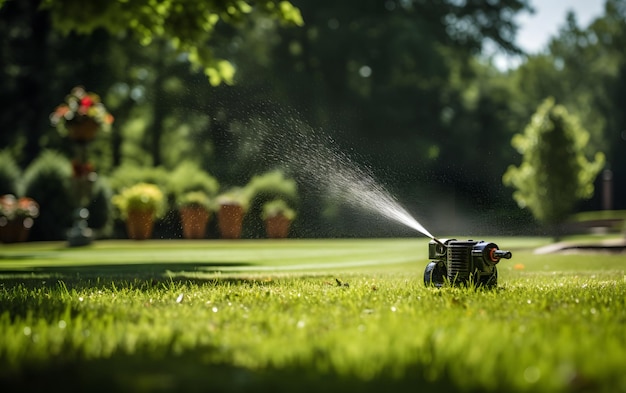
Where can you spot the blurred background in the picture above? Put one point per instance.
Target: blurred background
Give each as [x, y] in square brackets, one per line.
[425, 96]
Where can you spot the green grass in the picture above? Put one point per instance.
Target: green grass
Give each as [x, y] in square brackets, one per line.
[305, 315]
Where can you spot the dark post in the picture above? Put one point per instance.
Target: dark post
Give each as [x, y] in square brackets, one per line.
[83, 179]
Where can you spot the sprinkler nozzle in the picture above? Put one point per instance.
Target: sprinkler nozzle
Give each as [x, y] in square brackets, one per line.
[503, 254]
[438, 241]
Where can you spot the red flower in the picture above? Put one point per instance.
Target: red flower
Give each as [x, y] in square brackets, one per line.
[86, 101]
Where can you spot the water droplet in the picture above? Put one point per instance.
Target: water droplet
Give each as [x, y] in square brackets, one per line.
[214, 309]
[27, 330]
[180, 298]
[62, 324]
[393, 309]
[365, 71]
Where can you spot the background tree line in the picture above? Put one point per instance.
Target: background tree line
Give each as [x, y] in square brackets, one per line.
[406, 88]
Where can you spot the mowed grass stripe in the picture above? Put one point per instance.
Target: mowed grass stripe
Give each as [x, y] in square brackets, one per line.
[262, 253]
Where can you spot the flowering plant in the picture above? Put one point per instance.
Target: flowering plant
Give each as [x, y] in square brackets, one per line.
[144, 197]
[12, 207]
[81, 106]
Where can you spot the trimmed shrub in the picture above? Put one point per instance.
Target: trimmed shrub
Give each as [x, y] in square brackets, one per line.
[101, 208]
[9, 174]
[48, 181]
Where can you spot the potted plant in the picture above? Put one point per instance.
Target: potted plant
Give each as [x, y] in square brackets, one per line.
[81, 115]
[193, 191]
[16, 217]
[140, 205]
[195, 212]
[233, 206]
[277, 216]
[263, 188]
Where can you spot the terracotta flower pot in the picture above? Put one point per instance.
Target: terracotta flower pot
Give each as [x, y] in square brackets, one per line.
[140, 224]
[82, 129]
[230, 221]
[277, 227]
[16, 230]
[194, 220]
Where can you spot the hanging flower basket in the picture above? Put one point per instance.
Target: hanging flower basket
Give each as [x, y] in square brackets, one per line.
[82, 129]
[81, 116]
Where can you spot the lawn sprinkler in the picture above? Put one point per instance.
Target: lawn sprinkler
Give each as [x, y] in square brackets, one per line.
[463, 262]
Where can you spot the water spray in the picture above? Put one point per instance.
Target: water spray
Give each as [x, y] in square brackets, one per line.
[314, 158]
[462, 262]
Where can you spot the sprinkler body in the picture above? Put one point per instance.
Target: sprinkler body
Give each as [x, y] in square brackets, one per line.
[463, 262]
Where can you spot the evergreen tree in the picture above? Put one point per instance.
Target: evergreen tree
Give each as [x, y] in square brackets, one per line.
[555, 172]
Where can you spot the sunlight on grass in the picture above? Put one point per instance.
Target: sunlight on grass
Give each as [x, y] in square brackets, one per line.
[554, 324]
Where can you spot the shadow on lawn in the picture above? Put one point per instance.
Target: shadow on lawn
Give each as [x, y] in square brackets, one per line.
[139, 275]
[193, 372]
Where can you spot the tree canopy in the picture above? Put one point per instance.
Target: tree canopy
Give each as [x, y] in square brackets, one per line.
[406, 87]
[188, 25]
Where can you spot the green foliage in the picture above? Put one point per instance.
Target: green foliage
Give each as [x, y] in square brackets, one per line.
[9, 174]
[356, 68]
[554, 173]
[196, 198]
[277, 207]
[271, 185]
[48, 181]
[188, 25]
[188, 177]
[144, 197]
[234, 196]
[128, 175]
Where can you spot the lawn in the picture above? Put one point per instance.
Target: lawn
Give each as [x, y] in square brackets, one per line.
[306, 316]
